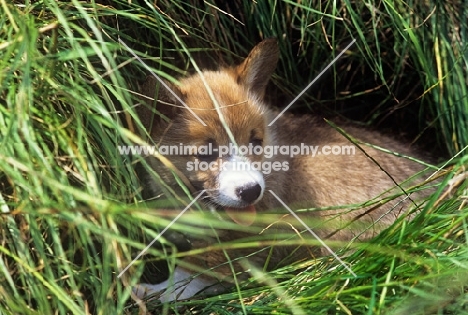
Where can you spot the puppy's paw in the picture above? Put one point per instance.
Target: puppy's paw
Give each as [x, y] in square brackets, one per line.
[181, 285]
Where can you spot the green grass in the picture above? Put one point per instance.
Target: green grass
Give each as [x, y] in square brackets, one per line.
[71, 216]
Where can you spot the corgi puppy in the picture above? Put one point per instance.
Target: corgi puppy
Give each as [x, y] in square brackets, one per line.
[258, 166]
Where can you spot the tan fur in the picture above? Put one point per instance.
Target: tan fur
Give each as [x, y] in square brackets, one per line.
[310, 182]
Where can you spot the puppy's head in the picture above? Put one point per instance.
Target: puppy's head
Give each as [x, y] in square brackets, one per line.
[215, 121]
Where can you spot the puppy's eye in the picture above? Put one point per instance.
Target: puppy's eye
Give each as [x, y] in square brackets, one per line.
[256, 142]
[208, 152]
[255, 138]
[209, 157]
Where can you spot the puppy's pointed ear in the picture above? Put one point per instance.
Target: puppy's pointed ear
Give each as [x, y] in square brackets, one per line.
[157, 100]
[257, 68]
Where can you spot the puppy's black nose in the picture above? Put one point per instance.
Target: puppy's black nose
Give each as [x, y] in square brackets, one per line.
[249, 193]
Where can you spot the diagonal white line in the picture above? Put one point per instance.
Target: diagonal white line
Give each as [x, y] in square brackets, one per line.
[162, 82]
[313, 81]
[159, 235]
[315, 235]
